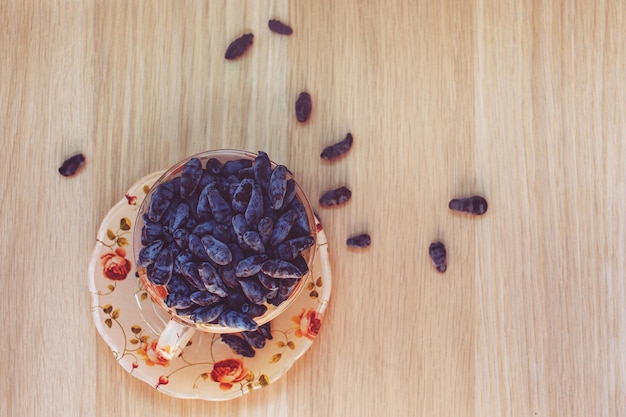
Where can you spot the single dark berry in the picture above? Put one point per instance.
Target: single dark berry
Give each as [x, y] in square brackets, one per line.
[335, 197]
[437, 253]
[473, 205]
[239, 46]
[303, 107]
[279, 27]
[359, 241]
[72, 165]
[336, 150]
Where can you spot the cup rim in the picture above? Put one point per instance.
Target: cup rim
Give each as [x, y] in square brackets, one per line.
[153, 291]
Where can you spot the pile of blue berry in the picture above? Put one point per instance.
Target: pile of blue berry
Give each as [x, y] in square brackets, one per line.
[226, 240]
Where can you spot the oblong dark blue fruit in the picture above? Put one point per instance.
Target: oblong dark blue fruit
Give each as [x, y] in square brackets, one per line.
[267, 281]
[277, 299]
[227, 273]
[474, 205]
[179, 285]
[278, 268]
[181, 259]
[149, 253]
[151, 231]
[242, 194]
[286, 288]
[196, 247]
[163, 267]
[437, 253]
[240, 226]
[262, 170]
[178, 301]
[214, 166]
[190, 272]
[219, 207]
[203, 210]
[246, 173]
[238, 344]
[266, 330]
[302, 221]
[289, 249]
[290, 192]
[224, 233]
[160, 201]
[337, 149]
[359, 241]
[239, 46]
[204, 298]
[190, 177]
[300, 263]
[254, 211]
[277, 187]
[216, 250]
[236, 299]
[181, 237]
[181, 216]
[279, 27]
[253, 310]
[204, 228]
[250, 265]
[228, 185]
[72, 165]
[186, 311]
[211, 279]
[254, 339]
[233, 166]
[283, 226]
[265, 229]
[335, 197]
[237, 253]
[208, 314]
[252, 290]
[253, 240]
[304, 105]
[237, 320]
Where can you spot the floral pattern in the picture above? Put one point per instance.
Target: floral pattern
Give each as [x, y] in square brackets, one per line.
[115, 266]
[208, 369]
[228, 372]
[131, 199]
[308, 324]
[150, 355]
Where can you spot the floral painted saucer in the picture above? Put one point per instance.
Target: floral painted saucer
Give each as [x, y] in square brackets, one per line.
[129, 322]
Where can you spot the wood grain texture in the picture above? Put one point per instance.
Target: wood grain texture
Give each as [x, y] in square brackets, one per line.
[522, 102]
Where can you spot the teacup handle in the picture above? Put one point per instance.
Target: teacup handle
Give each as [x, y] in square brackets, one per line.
[173, 340]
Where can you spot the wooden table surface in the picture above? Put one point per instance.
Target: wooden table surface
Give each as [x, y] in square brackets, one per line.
[522, 102]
